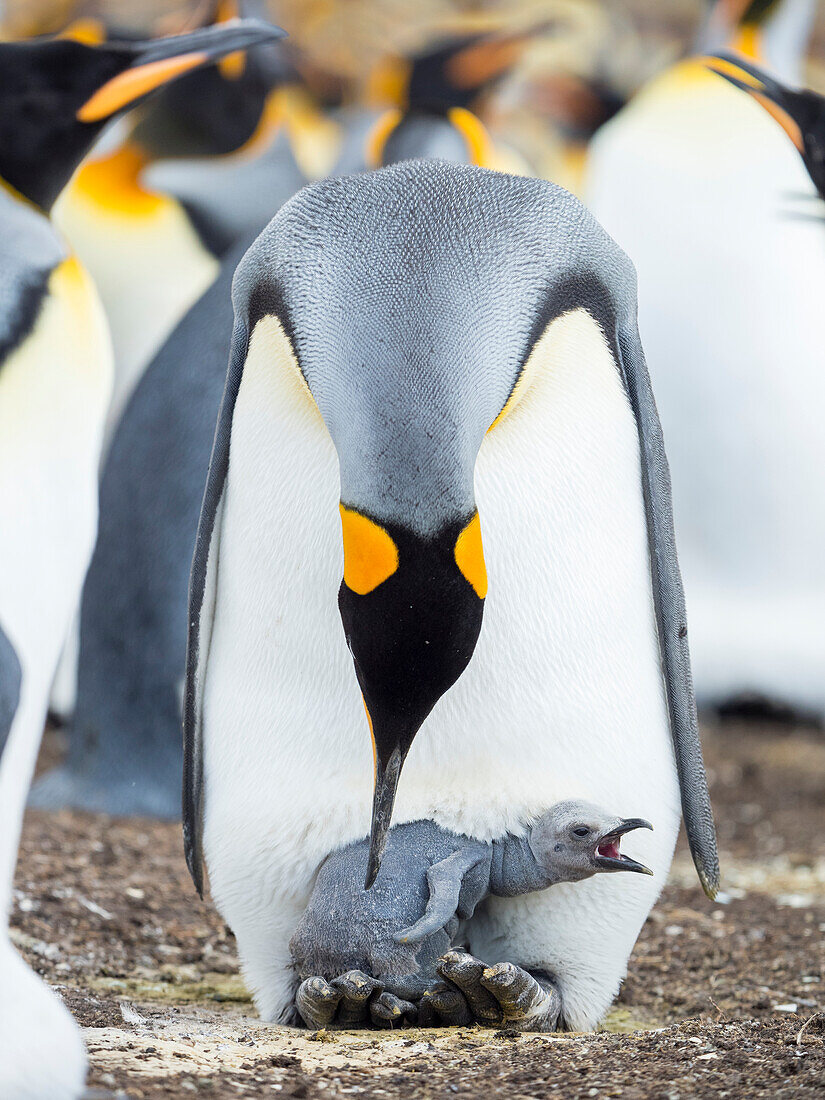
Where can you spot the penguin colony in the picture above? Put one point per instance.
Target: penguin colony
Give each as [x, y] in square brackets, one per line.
[407, 566]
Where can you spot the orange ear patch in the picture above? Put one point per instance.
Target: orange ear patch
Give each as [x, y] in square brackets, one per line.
[125, 88]
[474, 132]
[370, 555]
[377, 137]
[469, 556]
[113, 183]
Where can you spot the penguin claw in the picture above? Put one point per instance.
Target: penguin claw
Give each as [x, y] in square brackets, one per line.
[464, 971]
[387, 1010]
[317, 1002]
[449, 1005]
[356, 988]
[528, 1002]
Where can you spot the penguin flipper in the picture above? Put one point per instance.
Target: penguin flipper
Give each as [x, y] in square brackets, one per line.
[202, 590]
[669, 602]
[445, 880]
[10, 681]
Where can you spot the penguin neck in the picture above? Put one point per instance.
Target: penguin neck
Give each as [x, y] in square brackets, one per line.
[514, 869]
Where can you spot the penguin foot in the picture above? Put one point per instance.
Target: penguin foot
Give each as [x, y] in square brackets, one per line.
[317, 1002]
[503, 995]
[387, 1010]
[353, 1000]
[464, 971]
[356, 988]
[444, 1006]
[529, 1002]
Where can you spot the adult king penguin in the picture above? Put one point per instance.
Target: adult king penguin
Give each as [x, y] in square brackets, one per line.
[55, 382]
[421, 355]
[709, 198]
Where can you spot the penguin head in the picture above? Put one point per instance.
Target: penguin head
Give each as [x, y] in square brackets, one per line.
[215, 109]
[57, 94]
[801, 114]
[574, 840]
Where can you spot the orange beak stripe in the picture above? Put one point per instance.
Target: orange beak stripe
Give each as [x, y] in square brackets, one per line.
[372, 736]
[125, 88]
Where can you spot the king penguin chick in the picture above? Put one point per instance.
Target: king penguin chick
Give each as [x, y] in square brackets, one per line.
[55, 383]
[713, 204]
[434, 117]
[150, 255]
[435, 379]
[431, 880]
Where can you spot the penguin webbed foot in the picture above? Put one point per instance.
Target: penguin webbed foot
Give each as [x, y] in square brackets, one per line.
[503, 995]
[466, 992]
[352, 1000]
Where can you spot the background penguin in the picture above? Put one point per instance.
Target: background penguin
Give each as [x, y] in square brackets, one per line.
[55, 382]
[124, 736]
[384, 323]
[801, 114]
[9, 686]
[772, 31]
[434, 117]
[150, 255]
[713, 204]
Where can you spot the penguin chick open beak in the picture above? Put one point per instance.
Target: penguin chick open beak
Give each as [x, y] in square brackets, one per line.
[608, 856]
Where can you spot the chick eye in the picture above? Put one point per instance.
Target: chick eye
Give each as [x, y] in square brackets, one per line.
[581, 830]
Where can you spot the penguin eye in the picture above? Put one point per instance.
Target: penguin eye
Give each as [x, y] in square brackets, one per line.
[581, 830]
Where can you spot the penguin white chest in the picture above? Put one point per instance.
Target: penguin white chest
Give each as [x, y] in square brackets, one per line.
[148, 265]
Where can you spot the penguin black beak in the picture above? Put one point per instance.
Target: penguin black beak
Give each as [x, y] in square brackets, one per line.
[411, 608]
[386, 784]
[608, 856]
[156, 62]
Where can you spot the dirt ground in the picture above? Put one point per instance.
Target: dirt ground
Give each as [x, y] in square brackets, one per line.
[722, 999]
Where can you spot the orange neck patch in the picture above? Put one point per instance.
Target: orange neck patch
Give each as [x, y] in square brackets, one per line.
[113, 183]
[370, 555]
[469, 556]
